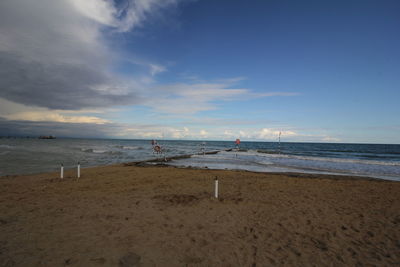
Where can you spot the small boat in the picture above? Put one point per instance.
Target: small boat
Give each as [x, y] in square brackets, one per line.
[47, 137]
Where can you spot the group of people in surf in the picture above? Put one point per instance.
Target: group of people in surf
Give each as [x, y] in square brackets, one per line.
[156, 147]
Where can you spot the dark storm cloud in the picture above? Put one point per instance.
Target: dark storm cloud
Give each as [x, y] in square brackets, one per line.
[85, 130]
[34, 129]
[52, 56]
[57, 85]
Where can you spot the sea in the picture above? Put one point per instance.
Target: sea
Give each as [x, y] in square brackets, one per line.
[31, 155]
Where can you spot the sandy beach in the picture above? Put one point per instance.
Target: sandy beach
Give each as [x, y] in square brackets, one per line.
[164, 216]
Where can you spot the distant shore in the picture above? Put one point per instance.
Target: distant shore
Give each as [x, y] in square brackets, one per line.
[125, 215]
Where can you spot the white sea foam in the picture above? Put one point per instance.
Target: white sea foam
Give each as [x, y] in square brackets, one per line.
[132, 147]
[262, 162]
[330, 159]
[99, 151]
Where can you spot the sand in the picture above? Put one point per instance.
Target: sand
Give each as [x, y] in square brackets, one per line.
[164, 216]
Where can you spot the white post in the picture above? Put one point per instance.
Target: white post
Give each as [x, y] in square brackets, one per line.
[216, 187]
[79, 169]
[62, 171]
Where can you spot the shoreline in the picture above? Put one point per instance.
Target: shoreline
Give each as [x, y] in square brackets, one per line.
[160, 163]
[273, 168]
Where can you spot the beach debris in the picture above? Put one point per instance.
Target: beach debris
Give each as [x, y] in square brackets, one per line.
[79, 170]
[319, 244]
[216, 187]
[68, 261]
[129, 260]
[62, 171]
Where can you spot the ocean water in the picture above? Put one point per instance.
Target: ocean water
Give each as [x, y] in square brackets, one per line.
[25, 156]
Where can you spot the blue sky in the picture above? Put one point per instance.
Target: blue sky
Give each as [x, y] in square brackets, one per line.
[323, 71]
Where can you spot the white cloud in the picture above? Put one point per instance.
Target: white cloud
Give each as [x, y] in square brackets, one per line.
[203, 133]
[51, 116]
[277, 94]
[129, 15]
[79, 125]
[19, 112]
[178, 133]
[191, 98]
[269, 134]
[330, 139]
[155, 69]
[137, 11]
[243, 134]
[101, 11]
[229, 134]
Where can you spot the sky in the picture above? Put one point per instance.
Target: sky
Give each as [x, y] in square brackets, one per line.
[316, 71]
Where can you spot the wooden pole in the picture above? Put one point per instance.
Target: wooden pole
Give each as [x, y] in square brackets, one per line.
[216, 187]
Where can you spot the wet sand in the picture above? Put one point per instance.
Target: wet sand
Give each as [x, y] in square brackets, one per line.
[164, 216]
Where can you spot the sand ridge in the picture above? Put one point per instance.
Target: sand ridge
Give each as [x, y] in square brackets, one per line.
[151, 216]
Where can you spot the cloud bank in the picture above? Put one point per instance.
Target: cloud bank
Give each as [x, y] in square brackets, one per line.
[54, 54]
